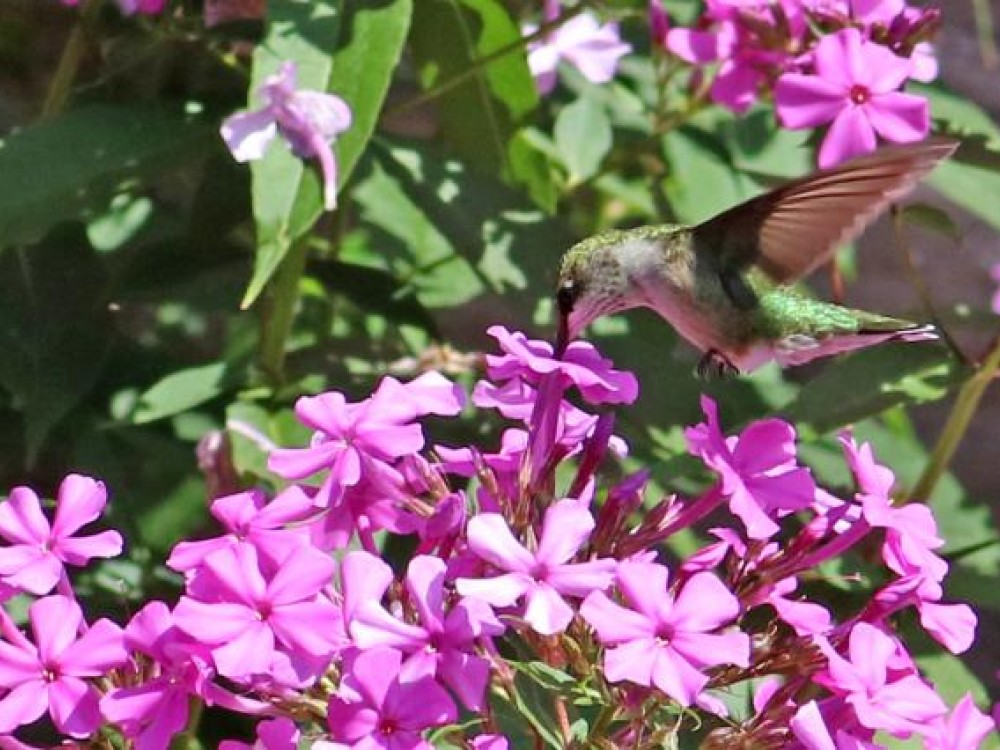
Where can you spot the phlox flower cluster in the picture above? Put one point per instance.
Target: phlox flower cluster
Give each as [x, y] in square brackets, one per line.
[522, 553]
[836, 63]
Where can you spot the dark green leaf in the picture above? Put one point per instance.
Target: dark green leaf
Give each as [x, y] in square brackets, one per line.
[932, 218]
[452, 37]
[54, 329]
[180, 391]
[345, 47]
[58, 169]
[971, 178]
[871, 381]
[583, 138]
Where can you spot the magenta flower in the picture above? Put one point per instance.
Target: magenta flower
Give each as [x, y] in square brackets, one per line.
[542, 577]
[308, 120]
[249, 518]
[813, 732]
[273, 734]
[170, 669]
[664, 639]
[350, 436]
[592, 48]
[873, 687]
[581, 365]
[259, 619]
[51, 674]
[758, 470]
[856, 89]
[442, 645]
[38, 553]
[964, 728]
[376, 708]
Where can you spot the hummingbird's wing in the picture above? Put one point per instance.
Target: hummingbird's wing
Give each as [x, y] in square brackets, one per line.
[792, 230]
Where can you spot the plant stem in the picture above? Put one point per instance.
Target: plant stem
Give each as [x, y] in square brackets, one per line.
[279, 312]
[69, 63]
[955, 428]
[984, 34]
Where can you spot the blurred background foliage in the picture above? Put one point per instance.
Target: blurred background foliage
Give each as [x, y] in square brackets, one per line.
[161, 306]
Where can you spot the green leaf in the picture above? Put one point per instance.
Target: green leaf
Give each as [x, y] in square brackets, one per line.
[180, 391]
[60, 168]
[451, 38]
[54, 329]
[871, 381]
[932, 218]
[347, 48]
[583, 138]
[971, 178]
[455, 235]
[703, 180]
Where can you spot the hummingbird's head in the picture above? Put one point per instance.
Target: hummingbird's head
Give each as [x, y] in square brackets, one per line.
[600, 275]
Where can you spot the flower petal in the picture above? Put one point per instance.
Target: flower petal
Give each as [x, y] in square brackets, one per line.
[248, 134]
[850, 135]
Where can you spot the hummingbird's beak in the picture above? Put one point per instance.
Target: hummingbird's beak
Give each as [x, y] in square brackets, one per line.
[562, 335]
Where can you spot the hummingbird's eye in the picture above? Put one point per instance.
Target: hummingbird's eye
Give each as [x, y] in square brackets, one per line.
[566, 297]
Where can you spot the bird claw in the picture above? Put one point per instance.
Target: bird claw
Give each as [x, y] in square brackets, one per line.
[715, 364]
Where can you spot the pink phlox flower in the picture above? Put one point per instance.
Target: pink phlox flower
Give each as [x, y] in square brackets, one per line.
[376, 707]
[964, 728]
[250, 518]
[490, 742]
[951, 625]
[515, 399]
[855, 88]
[35, 560]
[581, 365]
[664, 639]
[260, 619]
[659, 22]
[50, 675]
[272, 734]
[813, 732]
[378, 501]
[349, 437]
[995, 300]
[910, 530]
[542, 577]
[582, 41]
[170, 668]
[882, 698]
[439, 644]
[758, 469]
[308, 120]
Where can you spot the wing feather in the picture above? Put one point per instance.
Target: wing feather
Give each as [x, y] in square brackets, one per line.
[796, 228]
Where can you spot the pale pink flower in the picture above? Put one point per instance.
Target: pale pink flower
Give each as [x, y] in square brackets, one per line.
[272, 734]
[39, 551]
[308, 120]
[583, 42]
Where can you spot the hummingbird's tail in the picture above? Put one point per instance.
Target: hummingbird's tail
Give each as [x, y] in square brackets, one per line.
[797, 350]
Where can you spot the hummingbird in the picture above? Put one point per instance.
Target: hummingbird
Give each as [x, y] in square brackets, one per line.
[727, 285]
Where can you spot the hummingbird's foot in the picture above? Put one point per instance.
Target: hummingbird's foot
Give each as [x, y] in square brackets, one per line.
[715, 364]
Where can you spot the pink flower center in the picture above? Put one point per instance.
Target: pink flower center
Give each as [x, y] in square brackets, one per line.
[50, 673]
[860, 94]
[388, 726]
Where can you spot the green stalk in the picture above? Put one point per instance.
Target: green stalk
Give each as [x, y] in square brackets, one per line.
[69, 63]
[984, 34]
[955, 428]
[279, 312]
